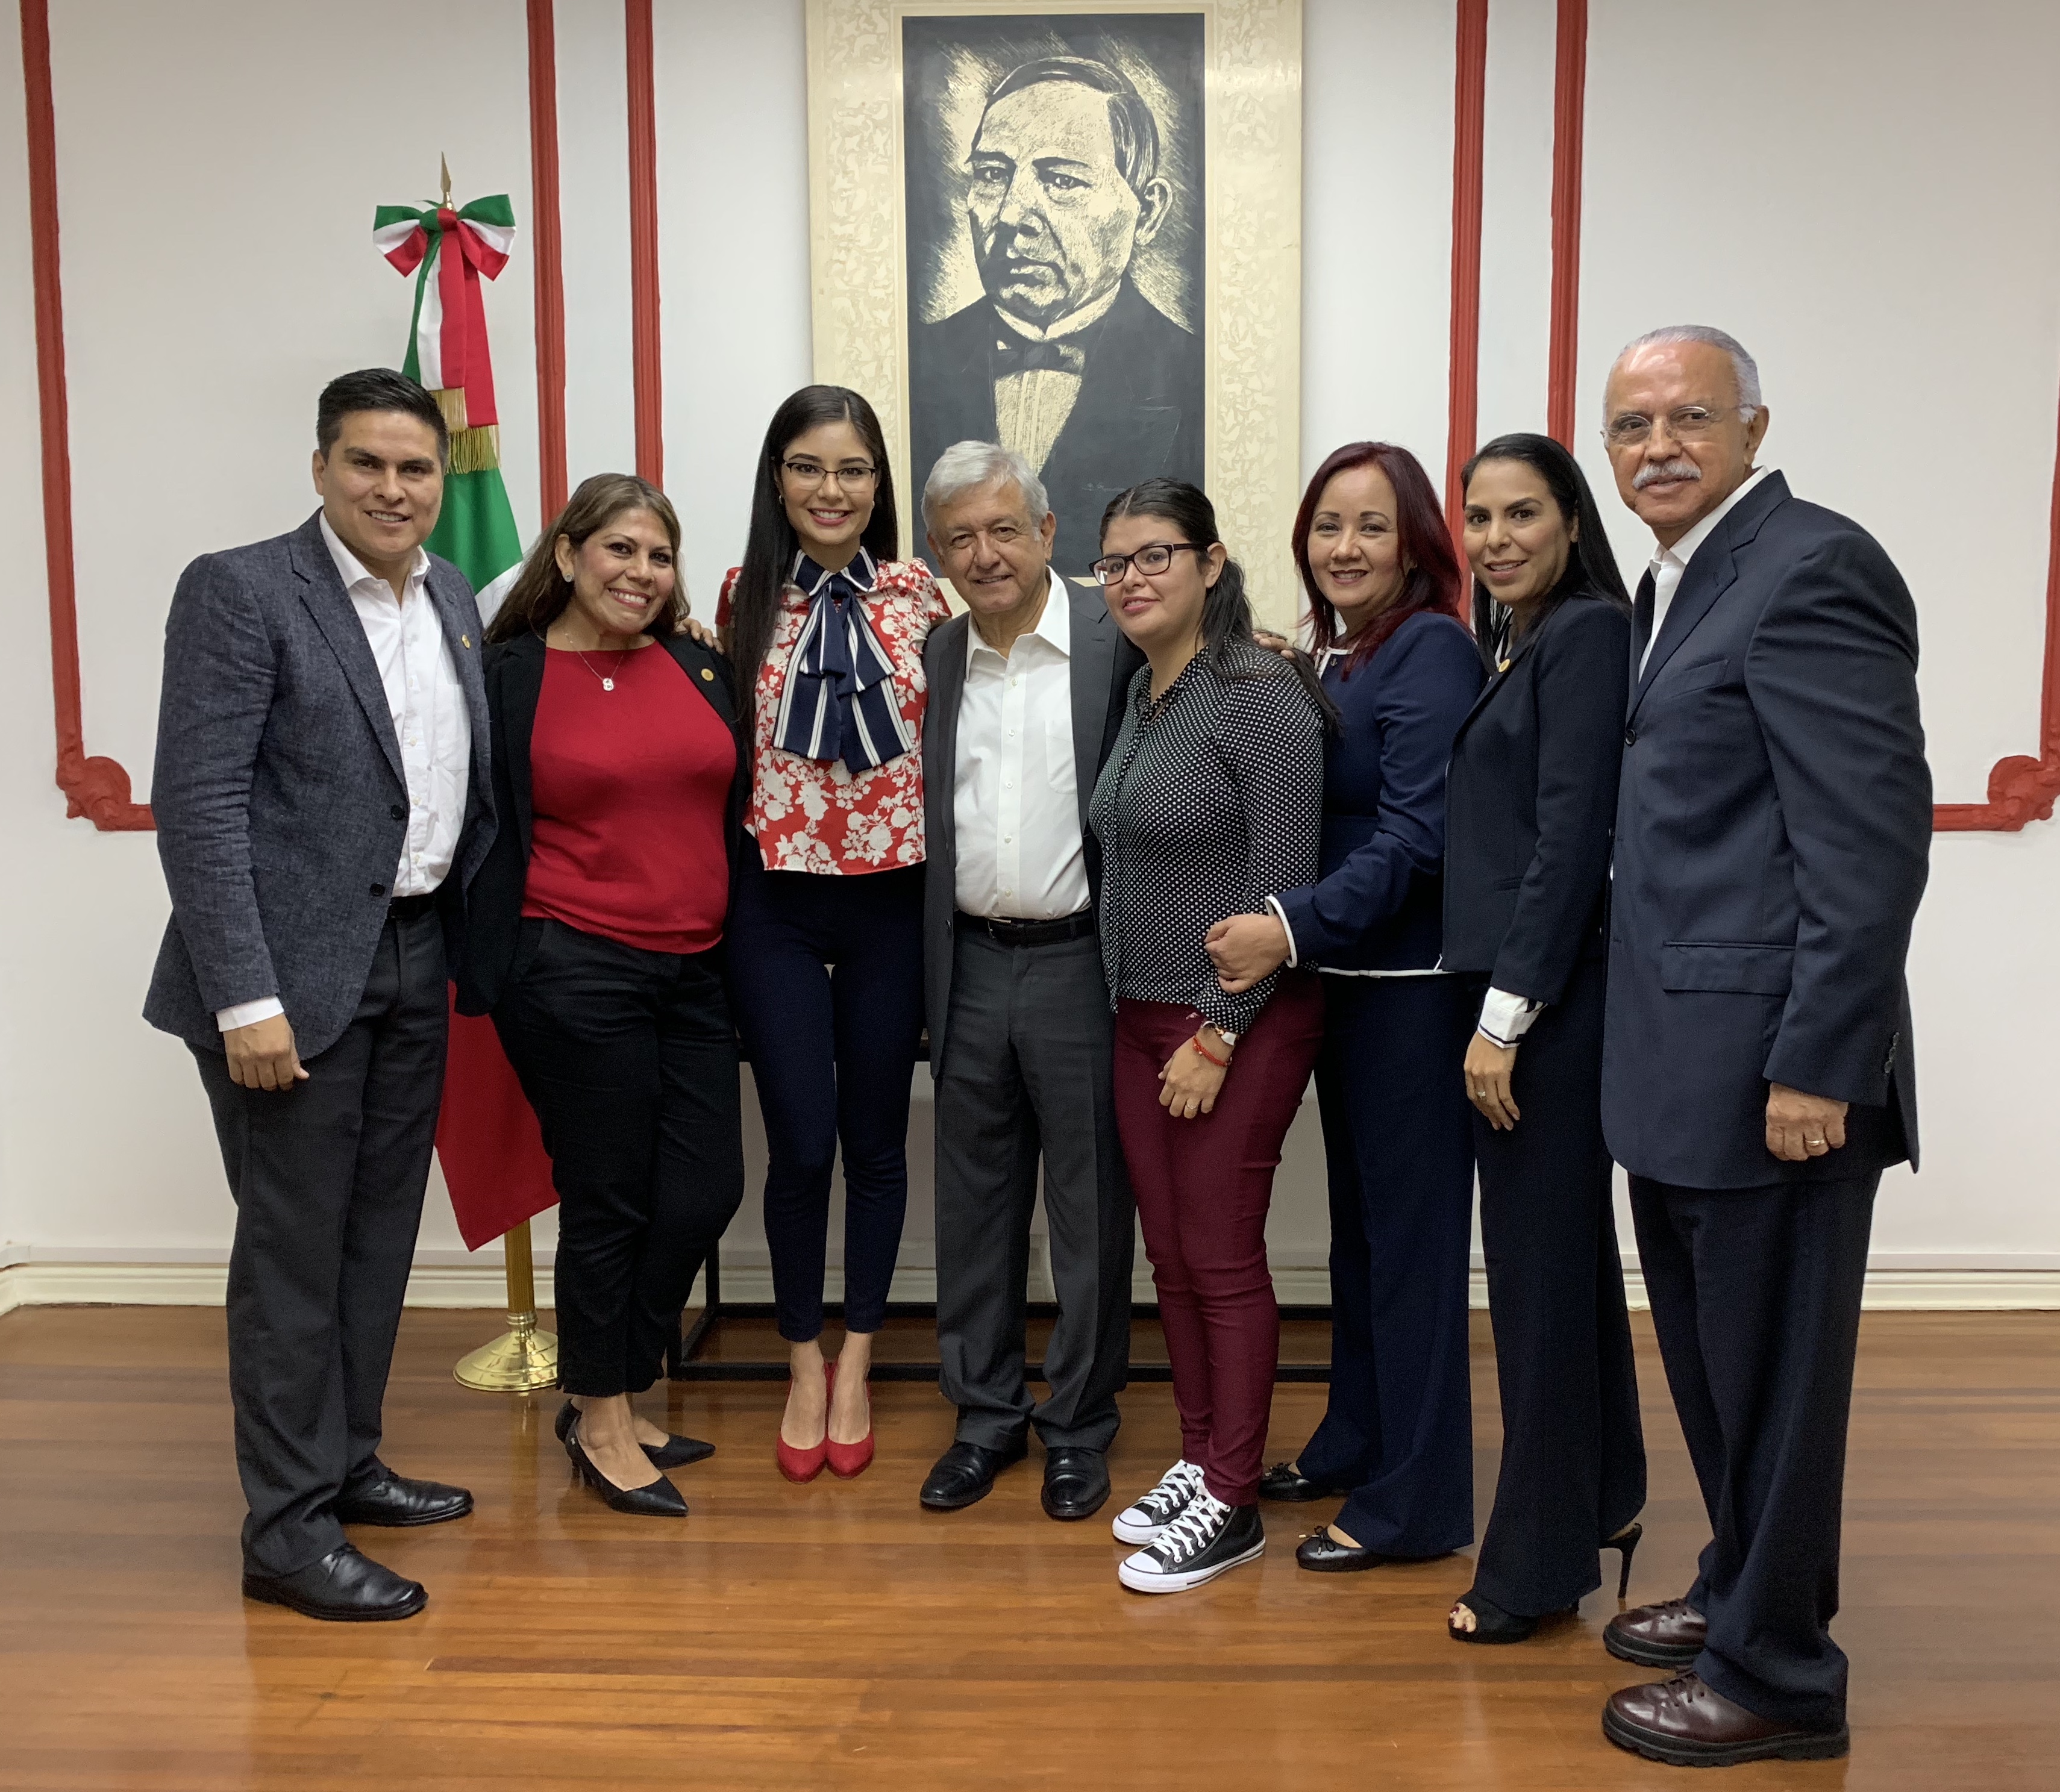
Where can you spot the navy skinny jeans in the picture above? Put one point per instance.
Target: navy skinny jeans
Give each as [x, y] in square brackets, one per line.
[826, 977]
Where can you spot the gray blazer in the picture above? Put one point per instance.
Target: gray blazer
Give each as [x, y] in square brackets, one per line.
[1103, 663]
[278, 792]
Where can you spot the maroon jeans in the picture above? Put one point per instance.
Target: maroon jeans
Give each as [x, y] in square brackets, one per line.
[1202, 1187]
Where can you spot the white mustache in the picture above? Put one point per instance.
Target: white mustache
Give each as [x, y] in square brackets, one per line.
[1681, 467]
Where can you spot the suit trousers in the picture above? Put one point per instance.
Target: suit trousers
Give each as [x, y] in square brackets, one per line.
[1202, 1187]
[1573, 1451]
[1756, 1300]
[630, 1060]
[1026, 1076]
[328, 1179]
[1398, 1139]
[826, 975]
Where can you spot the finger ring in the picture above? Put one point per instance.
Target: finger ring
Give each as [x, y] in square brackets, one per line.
[1479, 1093]
[1813, 1143]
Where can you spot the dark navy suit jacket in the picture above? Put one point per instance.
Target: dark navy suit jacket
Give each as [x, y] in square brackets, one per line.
[1531, 800]
[1377, 902]
[1773, 834]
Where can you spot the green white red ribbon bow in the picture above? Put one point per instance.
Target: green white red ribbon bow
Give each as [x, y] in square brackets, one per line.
[452, 247]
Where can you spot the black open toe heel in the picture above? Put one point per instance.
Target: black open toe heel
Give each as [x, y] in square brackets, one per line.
[1491, 1624]
[1625, 1541]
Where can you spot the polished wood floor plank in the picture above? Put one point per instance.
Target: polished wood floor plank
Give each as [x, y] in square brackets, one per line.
[836, 1635]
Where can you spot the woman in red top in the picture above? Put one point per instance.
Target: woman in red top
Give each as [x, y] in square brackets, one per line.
[595, 939]
[827, 629]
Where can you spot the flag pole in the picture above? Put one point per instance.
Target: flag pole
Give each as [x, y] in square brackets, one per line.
[522, 1358]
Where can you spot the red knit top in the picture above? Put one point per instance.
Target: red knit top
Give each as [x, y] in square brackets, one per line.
[627, 790]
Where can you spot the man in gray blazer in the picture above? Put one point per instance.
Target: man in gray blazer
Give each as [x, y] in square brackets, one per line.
[323, 797]
[1026, 699]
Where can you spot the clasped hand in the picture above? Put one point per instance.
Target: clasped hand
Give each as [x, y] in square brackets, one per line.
[1246, 949]
[1189, 1084]
[262, 1055]
[1800, 1127]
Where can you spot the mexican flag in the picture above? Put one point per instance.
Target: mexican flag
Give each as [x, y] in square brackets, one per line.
[487, 1137]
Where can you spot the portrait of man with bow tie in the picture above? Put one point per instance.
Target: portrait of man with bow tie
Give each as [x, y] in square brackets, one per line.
[1076, 199]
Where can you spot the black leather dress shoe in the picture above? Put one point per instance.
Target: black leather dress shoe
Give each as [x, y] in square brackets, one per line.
[1286, 1483]
[394, 1500]
[1669, 1634]
[343, 1586]
[1075, 1482]
[1322, 1554]
[674, 1452]
[965, 1473]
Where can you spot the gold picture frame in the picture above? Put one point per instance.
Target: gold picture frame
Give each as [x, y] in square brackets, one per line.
[1247, 217]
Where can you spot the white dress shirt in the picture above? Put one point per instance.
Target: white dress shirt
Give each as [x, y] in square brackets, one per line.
[1030, 408]
[431, 727]
[1015, 790]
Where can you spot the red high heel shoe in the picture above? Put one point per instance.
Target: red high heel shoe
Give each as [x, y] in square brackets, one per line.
[804, 1465]
[848, 1461]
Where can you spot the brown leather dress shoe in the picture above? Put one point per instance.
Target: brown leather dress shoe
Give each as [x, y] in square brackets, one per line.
[1687, 1724]
[1665, 1635]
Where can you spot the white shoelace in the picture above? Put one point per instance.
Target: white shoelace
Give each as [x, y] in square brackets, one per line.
[1183, 1481]
[1193, 1532]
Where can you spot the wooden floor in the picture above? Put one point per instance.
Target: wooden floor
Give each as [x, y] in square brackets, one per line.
[836, 1635]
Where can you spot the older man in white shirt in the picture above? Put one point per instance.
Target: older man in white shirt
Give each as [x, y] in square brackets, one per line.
[1026, 699]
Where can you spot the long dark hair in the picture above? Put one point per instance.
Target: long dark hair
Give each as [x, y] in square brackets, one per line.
[540, 592]
[1432, 582]
[770, 548]
[1591, 568]
[1227, 643]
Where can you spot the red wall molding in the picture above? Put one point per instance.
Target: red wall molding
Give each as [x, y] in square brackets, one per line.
[548, 248]
[1469, 156]
[2021, 788]
[646, 340]
[97, 787]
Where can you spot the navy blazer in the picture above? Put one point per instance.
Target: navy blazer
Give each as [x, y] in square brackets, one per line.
[1773, 836]
[514, 672]
[1530, 802]
[280, 800]
[1378, 903]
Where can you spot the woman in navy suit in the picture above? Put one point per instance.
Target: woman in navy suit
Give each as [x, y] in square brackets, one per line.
[1382, 582]
[1530, 801]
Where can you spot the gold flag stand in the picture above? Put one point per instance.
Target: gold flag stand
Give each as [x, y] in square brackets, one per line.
[522, 1358]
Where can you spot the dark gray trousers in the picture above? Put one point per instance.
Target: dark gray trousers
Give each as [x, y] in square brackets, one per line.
[1027, 1072]
[328, 1180]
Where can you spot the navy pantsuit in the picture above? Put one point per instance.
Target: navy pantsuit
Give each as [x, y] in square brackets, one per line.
[1398, 1429]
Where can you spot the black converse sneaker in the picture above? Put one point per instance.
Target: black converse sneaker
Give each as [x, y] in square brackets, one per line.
[1207, 1539]
[1154, 1511]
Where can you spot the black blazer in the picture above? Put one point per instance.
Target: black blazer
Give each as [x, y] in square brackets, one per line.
[1530, 803]
[514, 671]
[1773, 836]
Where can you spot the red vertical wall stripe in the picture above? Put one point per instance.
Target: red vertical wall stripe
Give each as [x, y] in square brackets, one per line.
[1469, 131]
[548, 246]
[644, 331]
[1569, 114]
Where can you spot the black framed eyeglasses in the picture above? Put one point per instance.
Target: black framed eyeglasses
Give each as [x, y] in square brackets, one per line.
[1154, 557]
[812, 472]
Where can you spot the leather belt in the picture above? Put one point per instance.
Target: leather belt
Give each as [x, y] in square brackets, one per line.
[411, 907]
[1032, 933]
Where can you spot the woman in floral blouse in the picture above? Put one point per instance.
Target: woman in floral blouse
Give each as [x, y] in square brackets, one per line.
[826, 628]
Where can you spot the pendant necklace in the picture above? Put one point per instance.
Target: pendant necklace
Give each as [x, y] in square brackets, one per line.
[607, 680]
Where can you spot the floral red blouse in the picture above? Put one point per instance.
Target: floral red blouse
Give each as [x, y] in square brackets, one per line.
[817, 815]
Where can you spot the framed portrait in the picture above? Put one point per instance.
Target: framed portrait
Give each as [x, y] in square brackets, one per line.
[1074, 228]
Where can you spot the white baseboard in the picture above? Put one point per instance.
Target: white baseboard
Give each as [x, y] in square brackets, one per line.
[1987, 1284]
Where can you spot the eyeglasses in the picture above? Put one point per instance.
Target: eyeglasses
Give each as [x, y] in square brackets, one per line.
[1154, 557]
[809, 473]
[1687, 424]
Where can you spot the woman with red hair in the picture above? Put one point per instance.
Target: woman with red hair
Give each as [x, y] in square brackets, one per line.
[1382, 578]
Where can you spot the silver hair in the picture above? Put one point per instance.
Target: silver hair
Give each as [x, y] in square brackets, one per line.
[1744, 366]
[966, 466]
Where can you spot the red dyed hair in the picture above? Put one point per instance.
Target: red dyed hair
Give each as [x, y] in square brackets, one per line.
[1432, 582]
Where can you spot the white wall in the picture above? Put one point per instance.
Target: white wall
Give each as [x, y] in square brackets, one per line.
[1867, 199]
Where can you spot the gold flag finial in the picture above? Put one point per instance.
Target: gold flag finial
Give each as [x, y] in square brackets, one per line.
[444, 161]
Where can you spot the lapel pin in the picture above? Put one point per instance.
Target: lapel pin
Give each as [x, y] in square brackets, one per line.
[465, 640]
[708, 674]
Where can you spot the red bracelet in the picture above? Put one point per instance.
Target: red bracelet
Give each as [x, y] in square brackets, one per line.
[1202, 1050]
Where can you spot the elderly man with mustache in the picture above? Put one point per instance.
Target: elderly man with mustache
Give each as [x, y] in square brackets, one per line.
[1774, 823]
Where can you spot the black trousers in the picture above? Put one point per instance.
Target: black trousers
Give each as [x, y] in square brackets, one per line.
[630, 1060]
[1027, 1076]
[1398, 1429]
[1756, 1299]
[1573, 1451]
[328, 1179]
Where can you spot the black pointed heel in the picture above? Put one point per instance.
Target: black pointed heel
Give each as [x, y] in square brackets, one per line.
[674, 1452]
[660, 1499]
[1625, 1541]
